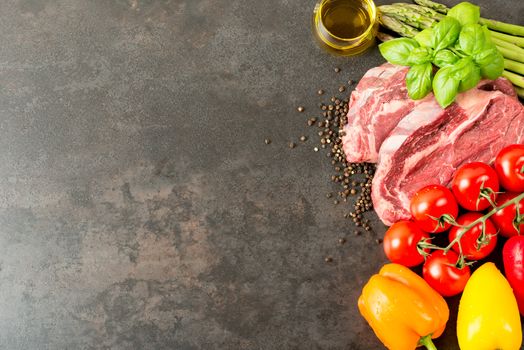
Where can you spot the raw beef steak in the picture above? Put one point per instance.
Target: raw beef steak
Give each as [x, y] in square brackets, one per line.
[377, 104]
[430, 143]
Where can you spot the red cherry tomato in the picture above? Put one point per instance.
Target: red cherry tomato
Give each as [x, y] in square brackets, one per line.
[431, 205]
[513, 256]
[473, 246]
[506, 219]
[472, 182]
[400, 243]
[509, 165]
[442, 275]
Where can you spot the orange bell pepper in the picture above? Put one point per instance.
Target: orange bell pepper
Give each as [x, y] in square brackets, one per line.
[403, 310]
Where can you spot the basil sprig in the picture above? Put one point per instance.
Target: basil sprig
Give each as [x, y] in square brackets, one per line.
[397, 51]
[448, 58]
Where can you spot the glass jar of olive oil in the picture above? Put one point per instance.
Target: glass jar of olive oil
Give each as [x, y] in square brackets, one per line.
[345, 27]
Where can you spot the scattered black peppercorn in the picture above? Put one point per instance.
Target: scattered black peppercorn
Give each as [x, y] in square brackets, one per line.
[337, 70]
[300, 109]
[341, 240]
[354, 178]
[267, 141]
[328, 259]
[292, 145]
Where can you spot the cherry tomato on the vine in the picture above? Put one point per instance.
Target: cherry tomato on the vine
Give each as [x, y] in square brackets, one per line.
[431, 208]
[509, 165]
[472, 183]
[474, 245]
[400, 243]
[506, 219]
[441, 273]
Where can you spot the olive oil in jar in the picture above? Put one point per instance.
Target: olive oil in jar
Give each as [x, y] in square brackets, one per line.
[345, 27]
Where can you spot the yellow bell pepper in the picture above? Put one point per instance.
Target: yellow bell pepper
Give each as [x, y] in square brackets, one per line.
[403, 310]
[488, 316]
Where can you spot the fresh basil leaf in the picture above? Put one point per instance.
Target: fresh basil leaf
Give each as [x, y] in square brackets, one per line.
[461, 68]
[420, 55]
[424, 37]
[487, 33]
[471, 80]
[467, 72]
[465, 13]
[418, 80]
[445, 33]
[445, 86]
[445, 58]
[487, 55]
[490, 60]
[457, 51]
[397, 51]
[472, 39]
[494, 68]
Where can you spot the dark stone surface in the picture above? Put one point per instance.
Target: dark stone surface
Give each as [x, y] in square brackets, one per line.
[139, 205]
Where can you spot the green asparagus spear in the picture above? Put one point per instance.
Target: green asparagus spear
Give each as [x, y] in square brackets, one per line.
[513, 66]
[433, 5]
[509, 38]
[408, 16]
[512, 55]
[512, 51]
[520, 92]
[512, 29]
[397, 26]
[384, 37]
[423, 17]
[425, 11]
[514, 78]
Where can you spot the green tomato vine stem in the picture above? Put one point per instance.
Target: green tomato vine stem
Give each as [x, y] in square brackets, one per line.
[481, 220]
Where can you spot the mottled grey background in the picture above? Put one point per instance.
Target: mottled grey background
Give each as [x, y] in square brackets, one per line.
[139, 205]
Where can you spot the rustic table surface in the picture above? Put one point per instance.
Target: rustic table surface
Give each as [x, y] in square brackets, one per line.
[140, 207]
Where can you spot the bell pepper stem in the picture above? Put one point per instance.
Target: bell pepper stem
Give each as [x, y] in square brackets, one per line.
[427, 342]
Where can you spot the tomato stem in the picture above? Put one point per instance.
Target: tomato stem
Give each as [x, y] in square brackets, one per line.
[518, 219]
[486, 192]
[425, 245]
[427, 342]
[483, 219]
